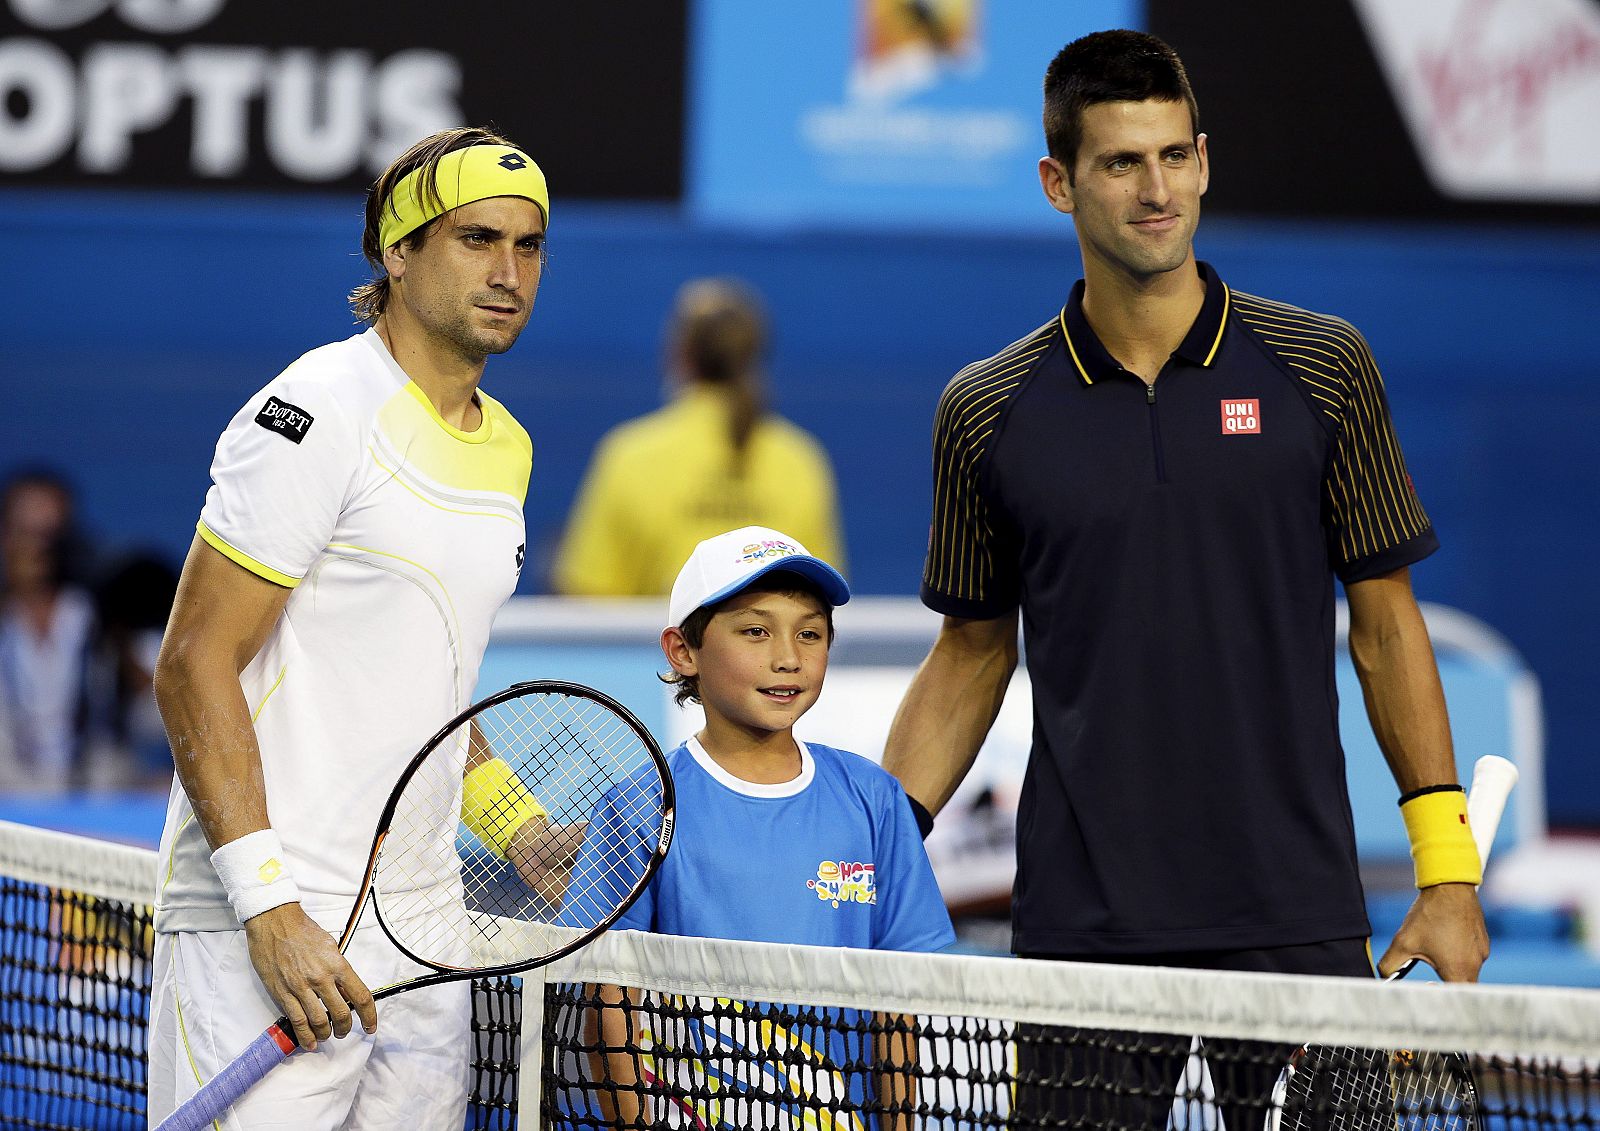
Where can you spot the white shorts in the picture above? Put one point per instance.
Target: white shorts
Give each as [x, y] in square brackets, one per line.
[207, 1005]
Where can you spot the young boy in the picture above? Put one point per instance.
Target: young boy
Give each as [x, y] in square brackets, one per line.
[777, 840]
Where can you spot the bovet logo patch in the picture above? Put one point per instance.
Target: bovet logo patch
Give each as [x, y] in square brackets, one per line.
[288, 420]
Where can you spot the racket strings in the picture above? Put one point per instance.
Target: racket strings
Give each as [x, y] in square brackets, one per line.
[453, 900]
[1355, 1089]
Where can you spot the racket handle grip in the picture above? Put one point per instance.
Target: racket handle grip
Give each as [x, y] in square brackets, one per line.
[223, 1090]
[1492, 780]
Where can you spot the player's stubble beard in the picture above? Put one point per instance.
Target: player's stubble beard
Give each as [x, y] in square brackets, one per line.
[459, 331]
[1151, 258]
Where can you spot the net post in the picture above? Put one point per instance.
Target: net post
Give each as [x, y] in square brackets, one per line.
[530, 1045]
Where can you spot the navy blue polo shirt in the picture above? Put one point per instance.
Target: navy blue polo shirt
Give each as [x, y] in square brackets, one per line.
[1173, 549]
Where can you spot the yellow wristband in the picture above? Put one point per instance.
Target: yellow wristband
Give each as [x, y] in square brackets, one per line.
[495, 804]
[1442, 849]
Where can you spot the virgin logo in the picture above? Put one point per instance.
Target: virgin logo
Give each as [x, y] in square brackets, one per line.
[1498, 95]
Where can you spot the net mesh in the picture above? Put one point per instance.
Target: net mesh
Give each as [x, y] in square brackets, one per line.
[652, 1031]
[75, 967]
[76, 936]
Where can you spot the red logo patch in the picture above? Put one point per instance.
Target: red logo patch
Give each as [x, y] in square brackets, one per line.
[1241, 417]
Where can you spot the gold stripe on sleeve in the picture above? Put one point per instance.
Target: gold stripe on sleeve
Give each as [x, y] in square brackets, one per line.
[960, 560]
[1368, 491]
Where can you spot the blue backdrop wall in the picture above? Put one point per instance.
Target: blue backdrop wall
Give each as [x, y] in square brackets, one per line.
[134, 325]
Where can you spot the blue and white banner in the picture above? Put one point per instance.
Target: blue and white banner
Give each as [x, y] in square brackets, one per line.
[901, 113]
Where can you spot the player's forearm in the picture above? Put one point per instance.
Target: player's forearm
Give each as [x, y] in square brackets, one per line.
[895, 1051]
[1399, 677]
[948, 710]
[614, 1037]
[214, 748]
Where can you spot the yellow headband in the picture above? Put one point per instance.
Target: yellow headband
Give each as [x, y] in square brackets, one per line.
[465, 175]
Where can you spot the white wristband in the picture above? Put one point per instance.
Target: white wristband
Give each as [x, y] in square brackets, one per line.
[253, 873]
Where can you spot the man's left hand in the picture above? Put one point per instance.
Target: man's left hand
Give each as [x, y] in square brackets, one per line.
[1444, 928]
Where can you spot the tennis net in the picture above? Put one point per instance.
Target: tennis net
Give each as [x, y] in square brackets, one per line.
[76, 934]
[654, 1031]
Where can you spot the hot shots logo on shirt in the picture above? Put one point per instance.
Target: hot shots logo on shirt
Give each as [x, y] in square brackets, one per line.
[845, 881]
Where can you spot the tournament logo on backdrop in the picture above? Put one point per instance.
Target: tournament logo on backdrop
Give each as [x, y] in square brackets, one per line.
[1499, 96]
[881, 112]
[903, 48]
[913, 97]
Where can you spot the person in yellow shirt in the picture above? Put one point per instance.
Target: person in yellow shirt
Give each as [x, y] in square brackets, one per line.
[712, 459]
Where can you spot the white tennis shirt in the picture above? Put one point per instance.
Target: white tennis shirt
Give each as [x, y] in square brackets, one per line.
[401, 536]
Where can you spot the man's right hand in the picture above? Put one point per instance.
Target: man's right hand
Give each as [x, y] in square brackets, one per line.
[301, 967]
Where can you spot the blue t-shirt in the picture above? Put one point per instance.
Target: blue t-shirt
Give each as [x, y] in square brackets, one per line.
[831, 858]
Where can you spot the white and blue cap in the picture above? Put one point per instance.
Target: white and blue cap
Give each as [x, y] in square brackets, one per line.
[728, 563]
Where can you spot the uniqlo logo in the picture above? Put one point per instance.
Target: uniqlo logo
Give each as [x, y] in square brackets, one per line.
[1240, 417]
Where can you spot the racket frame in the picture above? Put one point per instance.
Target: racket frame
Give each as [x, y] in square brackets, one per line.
[447, 973]
[1493, 778]
[218, 1095]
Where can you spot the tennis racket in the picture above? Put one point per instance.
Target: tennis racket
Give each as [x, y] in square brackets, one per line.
[462, 910]
[1352, 1089]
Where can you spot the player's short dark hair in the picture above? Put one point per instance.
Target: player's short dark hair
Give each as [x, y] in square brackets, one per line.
[695, 624]
[371, 298]
[1108, 66]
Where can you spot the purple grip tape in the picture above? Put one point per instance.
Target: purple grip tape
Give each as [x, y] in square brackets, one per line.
[212, 1101]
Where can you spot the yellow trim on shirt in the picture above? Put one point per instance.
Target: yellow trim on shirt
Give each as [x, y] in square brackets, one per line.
[1082, 372]
[453, 623]
[398, 558]
[443, 589]
[443, 460]
[172, 857]
[485, 428]
[239, 557]
[261, 706]
[397, 477]
[183, 1029]
[1221, 326]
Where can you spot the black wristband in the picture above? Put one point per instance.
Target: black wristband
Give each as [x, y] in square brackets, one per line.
[1416, 793]
[924, 818]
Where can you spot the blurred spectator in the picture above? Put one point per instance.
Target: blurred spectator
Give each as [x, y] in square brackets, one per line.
[46, 630]
[712, 459]
[76, 709]
[128, 740]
